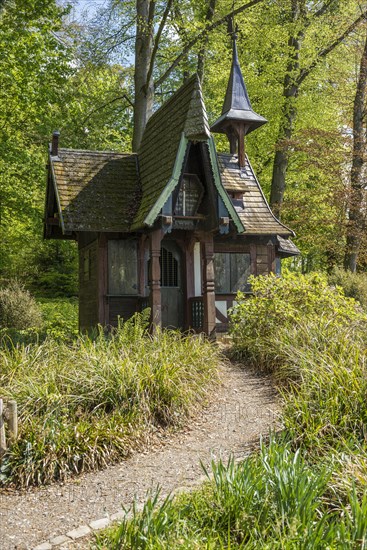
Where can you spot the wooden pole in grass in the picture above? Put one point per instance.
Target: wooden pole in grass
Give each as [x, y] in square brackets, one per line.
[13, 420]
[2, 429]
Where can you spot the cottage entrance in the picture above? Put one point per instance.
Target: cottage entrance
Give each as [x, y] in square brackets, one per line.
[171, 286]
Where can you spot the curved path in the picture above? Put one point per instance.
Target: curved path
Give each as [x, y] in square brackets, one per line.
[243, 407]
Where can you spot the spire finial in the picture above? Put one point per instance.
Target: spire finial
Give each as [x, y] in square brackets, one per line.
[238, 117]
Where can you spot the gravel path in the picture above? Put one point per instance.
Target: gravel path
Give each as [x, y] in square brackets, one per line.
[243, 407]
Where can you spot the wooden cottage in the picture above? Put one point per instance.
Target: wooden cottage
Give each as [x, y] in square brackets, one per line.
[176, 227]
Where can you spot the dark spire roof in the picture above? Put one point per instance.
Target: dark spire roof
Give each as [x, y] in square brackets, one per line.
[237, 105]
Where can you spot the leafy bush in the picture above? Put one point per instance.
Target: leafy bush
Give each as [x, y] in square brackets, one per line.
[353, 284]
[18, 309]
[326, 407]
[280, 307]
[274, 499]
[60, 317]
[86, 404]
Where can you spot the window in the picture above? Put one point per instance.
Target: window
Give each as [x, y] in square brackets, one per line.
[237, 200]
[231, 272]
[189, 196]
[122, 267]
[169, 268]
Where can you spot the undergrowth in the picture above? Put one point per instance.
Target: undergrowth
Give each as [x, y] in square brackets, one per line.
[85, 404]
[274, 499]
[306, 488]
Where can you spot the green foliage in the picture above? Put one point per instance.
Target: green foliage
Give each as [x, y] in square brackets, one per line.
[60, 317]
[353, 284]
[311, 335]
[86, 404]
[306, 488]
[56, 269]
[274, 499]
[18, 309]
[279, 307]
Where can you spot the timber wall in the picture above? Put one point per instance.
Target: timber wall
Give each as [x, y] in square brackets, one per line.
[88, 287]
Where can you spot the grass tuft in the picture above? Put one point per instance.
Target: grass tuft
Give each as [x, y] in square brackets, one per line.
[86, 404]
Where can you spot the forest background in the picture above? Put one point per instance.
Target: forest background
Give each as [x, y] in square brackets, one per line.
[97, 75]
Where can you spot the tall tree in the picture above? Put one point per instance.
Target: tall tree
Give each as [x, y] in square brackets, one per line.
[301, 16]
[150, 24]
[357, 205]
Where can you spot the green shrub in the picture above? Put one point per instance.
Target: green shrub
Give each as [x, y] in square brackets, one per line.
[261, 324]
[85, 404]
[18, 309]
[60, 317]
[274, 499]
[326, 407]
[354, 285]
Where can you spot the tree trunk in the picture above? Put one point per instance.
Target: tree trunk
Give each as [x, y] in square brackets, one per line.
[356, 221]
[201, 56]
[144, 90]
[288, 113]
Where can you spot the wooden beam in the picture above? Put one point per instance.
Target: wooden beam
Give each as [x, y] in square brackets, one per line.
[209, 284]
[102, 280]
[271, 257]
[155, 239]
[253, 261]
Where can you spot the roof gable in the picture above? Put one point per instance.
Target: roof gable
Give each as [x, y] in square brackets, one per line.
[256, 216]
[182, 117]
[96, 191]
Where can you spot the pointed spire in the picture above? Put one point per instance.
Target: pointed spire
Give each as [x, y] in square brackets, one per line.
[237, 111]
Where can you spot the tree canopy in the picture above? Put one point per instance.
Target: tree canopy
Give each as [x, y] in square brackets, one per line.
[99, 80]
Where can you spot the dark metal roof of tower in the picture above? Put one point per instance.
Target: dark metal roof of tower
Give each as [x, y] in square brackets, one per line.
[237, 105]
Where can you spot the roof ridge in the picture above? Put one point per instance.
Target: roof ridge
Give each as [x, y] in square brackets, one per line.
[97, 152]
[173, 96]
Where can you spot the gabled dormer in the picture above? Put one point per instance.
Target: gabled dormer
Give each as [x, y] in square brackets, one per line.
[185, 190]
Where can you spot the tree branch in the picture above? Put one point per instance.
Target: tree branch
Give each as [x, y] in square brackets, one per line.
[157, 39]
[201, 56]
[323, 53]
[206, 30]
[100, 107]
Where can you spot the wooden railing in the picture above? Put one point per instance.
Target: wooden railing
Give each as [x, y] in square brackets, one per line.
[9, 419]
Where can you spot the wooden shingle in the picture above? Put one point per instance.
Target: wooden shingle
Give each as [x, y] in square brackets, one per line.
[256, 216]
[97, 191]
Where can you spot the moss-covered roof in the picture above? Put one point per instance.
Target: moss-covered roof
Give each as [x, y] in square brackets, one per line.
[107, 191]
[183, 115]
[96, 191]
[256, 215]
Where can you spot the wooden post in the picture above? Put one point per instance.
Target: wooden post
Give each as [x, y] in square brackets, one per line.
[253, 259]
[2, 429]
[13, 420]
[102, 281]
[241, 146]
[155, 239]
[141, 265]
[271, 257]
[209, 285]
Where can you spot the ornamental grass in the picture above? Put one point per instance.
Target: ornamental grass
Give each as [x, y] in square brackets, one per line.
[86, 404]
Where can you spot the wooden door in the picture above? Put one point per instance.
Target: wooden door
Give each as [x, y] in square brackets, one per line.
[171, 286]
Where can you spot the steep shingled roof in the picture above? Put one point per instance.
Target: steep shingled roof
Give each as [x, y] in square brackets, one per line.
[97, 191]
[256, 216]
[182, 115]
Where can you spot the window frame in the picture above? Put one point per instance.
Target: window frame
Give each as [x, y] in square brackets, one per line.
[134, 288]
[229, 274]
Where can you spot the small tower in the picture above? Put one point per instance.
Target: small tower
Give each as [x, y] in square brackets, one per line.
[238, 117]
